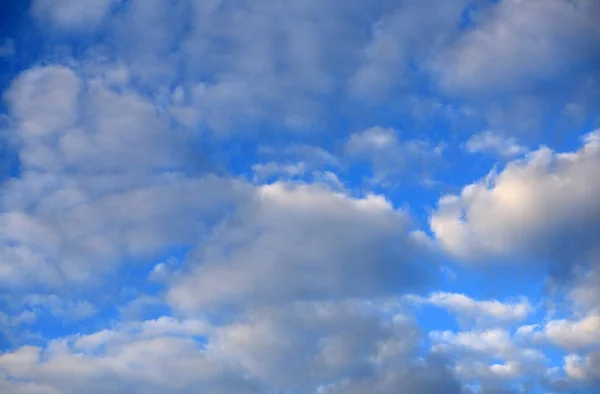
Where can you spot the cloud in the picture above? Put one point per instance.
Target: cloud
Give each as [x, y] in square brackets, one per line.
[272, 169]
[478, 354]
[489, 312]
[568, 334]
[300, 347]
[187, 210]
[542, 207]
[296, 162]
[574, 334]
[579, 375]
[72, 14]
[585, 295]
[584, 368]
[239, 68]
[488, 142]
[407, 34]
[423, 377]
[390, 157]
[96, 166]
[44, 100]
[304, 242]
[303, 345]
[514, 45]
[120, 361]
[491, 343]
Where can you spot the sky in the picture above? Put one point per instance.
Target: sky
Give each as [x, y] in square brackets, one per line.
[300, 196]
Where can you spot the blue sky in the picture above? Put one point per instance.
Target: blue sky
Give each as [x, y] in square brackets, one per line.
[300, 197]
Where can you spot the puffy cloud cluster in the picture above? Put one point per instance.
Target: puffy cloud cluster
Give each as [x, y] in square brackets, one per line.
[490, 312]
[390, 157]
[101, 184]
[516, 44]
[305, 242]
[541, 208]
[170, 133]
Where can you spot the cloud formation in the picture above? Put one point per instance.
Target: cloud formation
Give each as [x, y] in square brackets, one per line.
[235, 196]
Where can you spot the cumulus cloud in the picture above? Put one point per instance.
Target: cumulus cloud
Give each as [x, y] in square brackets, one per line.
[542, 207]
[297, 162]
[390, 157]
[94, 177]
[119, 361]
[422, 377]
[301, 347]
[72, 14]
[571, 335]
[307, 242]
[304, 345]
[478, 353]
[584, 368]
[490, 312]
[409, 33]
[491, 143]
[515, 44]
[171, 129]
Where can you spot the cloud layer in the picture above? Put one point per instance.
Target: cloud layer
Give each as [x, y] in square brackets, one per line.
[300, 197]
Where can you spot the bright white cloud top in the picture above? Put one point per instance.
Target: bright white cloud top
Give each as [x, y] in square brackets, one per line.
[300, 197]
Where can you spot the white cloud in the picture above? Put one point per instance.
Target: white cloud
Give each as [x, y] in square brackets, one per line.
[271, 169]
[64, 309]
[302, 345]
[585, 295]
[489, 142]
[44, 100]
[72, 14]
[110, 179]
[541, 207]
[97, 165]
[421, 377]
[121, 361]
[390, 157]
[304, 242]
[408, 33]
[515, 44]
[571, 335]
[478, 353]
[480, 371]
[583, 368]
[488, 312]
[240, 68]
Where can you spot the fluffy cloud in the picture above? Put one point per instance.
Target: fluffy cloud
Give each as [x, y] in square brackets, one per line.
[286, 273]
[305, 242]
[72, 14]
[584, 368]
[492, 343]
[390, 157]
[489, 312]
[478, 353]
[489, 142]
[136, 360]
[97, 167]
[409, 33]
[515, 44]
[422, 377]
[542, 207]
[571, 335]
[301, 347]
